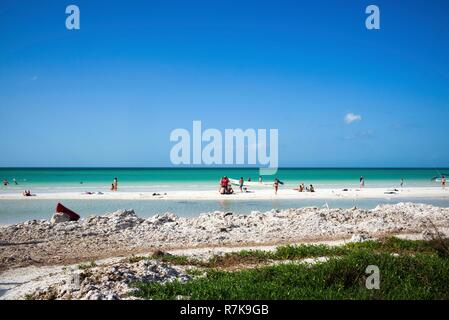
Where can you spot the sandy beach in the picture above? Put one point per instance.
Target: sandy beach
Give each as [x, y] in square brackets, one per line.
[256, 194]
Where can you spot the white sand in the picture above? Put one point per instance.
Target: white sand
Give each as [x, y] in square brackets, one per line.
[260, 194]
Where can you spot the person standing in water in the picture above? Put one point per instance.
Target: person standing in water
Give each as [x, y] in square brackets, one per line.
[362, 182]
[443, 182]
[402, 182]
[260, 179]
[15, 181]
[276, 185]
[241, 184]
[115, 184]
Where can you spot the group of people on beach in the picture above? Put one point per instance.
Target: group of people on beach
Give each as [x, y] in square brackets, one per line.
[303, 188]
[225, 186]
[27, 193]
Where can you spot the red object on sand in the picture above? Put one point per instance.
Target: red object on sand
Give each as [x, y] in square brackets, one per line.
[61, 209]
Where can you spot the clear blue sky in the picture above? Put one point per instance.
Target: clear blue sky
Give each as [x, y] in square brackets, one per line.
[110, 93]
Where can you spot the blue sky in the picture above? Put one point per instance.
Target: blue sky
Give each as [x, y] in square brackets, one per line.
[110, 93]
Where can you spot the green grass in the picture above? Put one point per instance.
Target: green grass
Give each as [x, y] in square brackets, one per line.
[422, 276]
[89, 265]
[296, 252]
[420, 271]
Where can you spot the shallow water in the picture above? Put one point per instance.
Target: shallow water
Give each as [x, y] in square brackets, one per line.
[14, 211]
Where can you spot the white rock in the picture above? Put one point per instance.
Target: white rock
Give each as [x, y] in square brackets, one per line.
[59, 217]
[360, 238]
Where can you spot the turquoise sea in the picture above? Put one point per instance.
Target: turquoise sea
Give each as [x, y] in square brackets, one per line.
[199, 178]
[41, 180]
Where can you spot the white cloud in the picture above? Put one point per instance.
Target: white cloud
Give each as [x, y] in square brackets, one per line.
[351, 117]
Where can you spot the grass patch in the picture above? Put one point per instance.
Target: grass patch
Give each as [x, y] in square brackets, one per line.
[135, 259]
[418, 276]
[419, 271]
[296, 252]
[195, 272]
[86, 266]
[403, 246]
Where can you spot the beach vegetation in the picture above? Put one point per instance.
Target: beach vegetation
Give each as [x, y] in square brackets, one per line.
[409, 269]
[390, 245]
[86, 266]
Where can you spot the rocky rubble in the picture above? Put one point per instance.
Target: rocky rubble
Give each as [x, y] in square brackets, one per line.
[108, 282]
[59, 217]
[123, 232]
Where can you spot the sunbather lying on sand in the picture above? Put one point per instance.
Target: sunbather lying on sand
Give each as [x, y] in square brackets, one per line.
[27, 193]
[310, 188]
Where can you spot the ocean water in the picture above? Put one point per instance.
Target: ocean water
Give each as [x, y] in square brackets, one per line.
[160, 179]
[164, 179]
